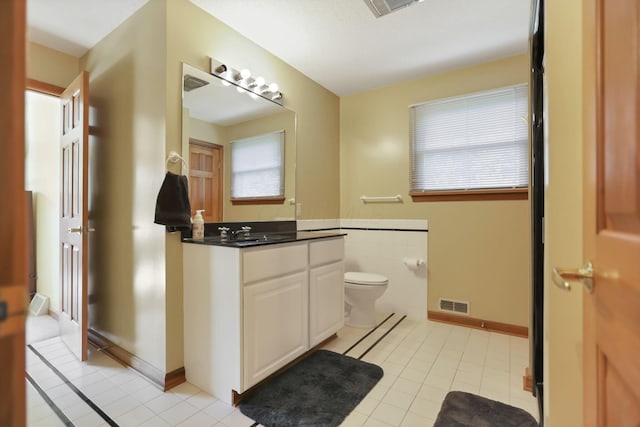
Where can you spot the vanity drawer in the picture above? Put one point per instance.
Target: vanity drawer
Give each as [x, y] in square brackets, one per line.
[277, 260]
[326, 251]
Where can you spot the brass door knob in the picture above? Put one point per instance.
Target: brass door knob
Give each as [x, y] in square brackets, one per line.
[562, 277]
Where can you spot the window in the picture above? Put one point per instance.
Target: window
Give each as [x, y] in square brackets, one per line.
[257, 168]
[471, 147]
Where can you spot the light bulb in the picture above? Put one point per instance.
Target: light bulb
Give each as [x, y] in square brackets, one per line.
[221, 69]
[273, 87]
[259, 81]
[245, 74]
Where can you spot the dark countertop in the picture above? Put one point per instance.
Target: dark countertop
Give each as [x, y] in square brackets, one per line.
[263, 238]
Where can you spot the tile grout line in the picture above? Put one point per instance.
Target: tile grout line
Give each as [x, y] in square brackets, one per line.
[411, 337]
[415, 396]
[65, 420]
[367, 334]
[376, 342]
[382, 337]
[80, 394]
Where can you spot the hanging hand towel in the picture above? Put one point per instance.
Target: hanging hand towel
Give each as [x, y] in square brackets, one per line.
[172, 205]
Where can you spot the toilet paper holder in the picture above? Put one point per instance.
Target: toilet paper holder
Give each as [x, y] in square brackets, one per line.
[413, 262]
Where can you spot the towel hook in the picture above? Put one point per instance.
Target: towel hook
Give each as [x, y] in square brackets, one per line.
[175, 158]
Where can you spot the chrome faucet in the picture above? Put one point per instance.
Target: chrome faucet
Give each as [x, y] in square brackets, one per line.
[243, 232]
[223, 232]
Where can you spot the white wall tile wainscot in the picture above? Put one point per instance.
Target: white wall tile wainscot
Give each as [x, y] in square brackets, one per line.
[382, 246]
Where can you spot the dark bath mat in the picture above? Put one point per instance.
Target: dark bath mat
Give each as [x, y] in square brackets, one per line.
[320, 390]
[461, 409]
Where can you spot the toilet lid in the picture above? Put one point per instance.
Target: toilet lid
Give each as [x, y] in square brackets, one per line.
[370, 279]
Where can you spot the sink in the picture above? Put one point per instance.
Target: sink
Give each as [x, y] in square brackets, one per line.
[270, 237]
[251, 240]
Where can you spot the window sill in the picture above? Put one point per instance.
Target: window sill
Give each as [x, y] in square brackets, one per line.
[470, 195]
[259, 201]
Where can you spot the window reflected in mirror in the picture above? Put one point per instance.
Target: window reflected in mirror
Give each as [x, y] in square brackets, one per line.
[257, 167]
[228, 186]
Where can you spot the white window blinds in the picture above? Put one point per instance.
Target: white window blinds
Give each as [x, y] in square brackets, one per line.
[257, 166]
[477, 141]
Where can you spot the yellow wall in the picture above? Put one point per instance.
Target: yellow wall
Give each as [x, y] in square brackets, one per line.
[42, 139]
[50, 66]
[128, 289]
[59, 69]
[564, 218]
[135, 81]
[193, 36]
[204, 131]
[478, 251]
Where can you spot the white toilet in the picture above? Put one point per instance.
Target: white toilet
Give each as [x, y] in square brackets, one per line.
[361, 290]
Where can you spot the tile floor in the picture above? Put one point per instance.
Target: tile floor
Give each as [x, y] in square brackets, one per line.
[422, 361]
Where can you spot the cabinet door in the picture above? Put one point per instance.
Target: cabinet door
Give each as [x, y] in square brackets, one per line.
[326, 311]
[276, 325]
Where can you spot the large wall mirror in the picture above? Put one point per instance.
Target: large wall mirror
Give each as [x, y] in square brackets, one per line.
[240, 151]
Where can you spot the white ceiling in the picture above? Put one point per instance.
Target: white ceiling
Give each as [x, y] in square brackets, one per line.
[338, 43]
[75, 26]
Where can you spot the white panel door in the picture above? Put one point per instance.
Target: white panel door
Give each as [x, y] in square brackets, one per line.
[74, 216]
[276, 325]
[326, 293]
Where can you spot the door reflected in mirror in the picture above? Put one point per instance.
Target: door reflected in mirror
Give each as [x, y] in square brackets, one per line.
[215, 115]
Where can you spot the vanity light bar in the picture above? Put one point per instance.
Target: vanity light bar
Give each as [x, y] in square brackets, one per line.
[245, 83]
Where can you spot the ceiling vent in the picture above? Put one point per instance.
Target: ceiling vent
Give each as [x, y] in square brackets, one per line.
[460, 307]
[191, 83]
[384, 7]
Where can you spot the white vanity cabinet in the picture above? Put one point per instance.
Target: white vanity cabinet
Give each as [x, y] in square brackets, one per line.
[250, 311]
[326, 289]
[275, 309]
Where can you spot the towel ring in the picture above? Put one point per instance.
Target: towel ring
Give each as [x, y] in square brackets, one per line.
[175, 158]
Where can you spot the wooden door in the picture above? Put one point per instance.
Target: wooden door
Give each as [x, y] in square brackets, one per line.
[73, 219]
[13, 265]
[612, 212]
[205, 179]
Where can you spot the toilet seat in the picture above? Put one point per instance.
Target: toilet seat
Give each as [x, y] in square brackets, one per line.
[369, 279]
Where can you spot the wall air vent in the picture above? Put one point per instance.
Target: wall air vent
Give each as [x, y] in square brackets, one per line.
[39, 305]
[460, 307]
[384, 7]
[191, 83]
